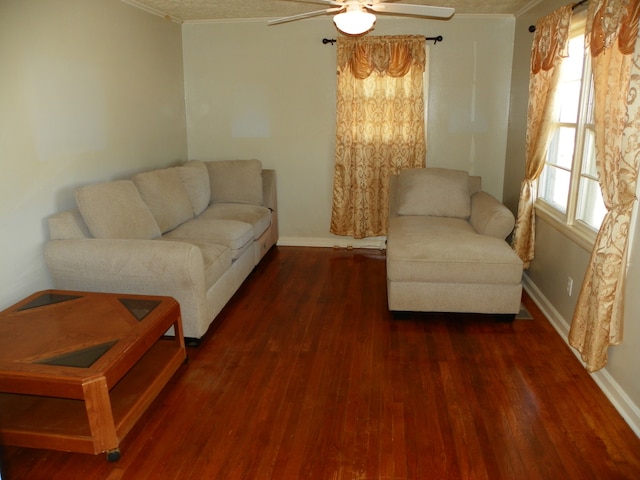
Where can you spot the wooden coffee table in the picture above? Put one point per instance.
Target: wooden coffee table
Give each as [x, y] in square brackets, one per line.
[78, 369]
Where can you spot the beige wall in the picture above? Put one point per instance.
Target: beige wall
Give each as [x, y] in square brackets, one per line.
[269, 93]
[557, 257]
[89, 91]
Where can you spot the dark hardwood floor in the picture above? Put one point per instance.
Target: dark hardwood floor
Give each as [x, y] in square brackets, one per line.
[306, 375]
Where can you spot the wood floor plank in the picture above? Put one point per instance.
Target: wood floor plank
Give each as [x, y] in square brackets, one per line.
[306, 375]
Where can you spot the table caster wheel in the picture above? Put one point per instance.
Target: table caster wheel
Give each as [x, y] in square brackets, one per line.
[113, 455]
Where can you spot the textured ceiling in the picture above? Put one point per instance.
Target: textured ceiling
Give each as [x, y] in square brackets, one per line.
[192, 10]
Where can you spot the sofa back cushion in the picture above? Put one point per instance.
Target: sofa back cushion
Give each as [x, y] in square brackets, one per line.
[236, 181]
[195, 178]
[475, 184]
[438, 192]
[163, 191]
[116, 210]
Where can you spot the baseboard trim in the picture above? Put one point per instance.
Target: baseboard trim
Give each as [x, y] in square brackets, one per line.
[337, 242]
[616, 395]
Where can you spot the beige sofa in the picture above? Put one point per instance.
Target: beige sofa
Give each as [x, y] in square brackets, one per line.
[446, 249]
[193, 232]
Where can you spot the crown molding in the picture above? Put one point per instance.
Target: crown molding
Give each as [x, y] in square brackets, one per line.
[527, 7]
[151, 10]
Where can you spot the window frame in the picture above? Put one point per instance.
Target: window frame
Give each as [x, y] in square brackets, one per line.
[567, 222]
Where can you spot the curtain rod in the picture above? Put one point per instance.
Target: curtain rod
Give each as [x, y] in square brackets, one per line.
[435, 39]
[532, 28]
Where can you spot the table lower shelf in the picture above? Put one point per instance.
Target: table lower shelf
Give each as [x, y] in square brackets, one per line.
[62, 424]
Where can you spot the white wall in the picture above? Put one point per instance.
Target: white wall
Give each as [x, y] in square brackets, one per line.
[254, 91]
[557, 257]
[89, 91]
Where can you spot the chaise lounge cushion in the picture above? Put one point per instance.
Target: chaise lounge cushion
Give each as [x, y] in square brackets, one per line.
[116, 210]
[434, 192]
[448, 250]
[163, 191]
[236, 181]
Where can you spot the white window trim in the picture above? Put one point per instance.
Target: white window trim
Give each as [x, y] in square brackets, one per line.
[566, 223]
[580, 233]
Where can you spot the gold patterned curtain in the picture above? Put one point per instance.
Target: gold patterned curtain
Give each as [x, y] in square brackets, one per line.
[549, 47]
[380, 127]
[612, 39]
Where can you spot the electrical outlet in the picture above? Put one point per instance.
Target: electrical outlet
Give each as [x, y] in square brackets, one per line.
[569, 286]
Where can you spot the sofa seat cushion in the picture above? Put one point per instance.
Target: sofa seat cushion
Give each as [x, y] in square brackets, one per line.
[257, 216]
[447, 250]
[237, 236]
[217, 259]
[163, 191]
[116, 210]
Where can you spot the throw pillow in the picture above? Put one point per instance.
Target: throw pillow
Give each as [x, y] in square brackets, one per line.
[116, 210]
[438, 192]
[236, 181]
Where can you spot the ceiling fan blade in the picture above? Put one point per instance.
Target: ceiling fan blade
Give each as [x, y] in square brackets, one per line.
[406, 9]
[304, 15]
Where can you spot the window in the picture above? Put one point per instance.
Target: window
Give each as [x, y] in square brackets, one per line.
[568, 188]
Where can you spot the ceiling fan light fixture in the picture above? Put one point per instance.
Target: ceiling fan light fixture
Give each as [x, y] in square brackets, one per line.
[354, 22]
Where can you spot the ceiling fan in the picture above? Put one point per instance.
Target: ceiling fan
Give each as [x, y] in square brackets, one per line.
[353, 17]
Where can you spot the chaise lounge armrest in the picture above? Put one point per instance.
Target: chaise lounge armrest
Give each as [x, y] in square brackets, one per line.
[490, 217]
[149, 267]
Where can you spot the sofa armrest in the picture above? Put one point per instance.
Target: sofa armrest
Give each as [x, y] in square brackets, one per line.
[269, 191]
[270, 200]
[151, 267]
[67, 224]
[490, 217]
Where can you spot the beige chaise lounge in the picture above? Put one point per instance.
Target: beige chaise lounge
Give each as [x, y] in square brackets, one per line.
[446, 248]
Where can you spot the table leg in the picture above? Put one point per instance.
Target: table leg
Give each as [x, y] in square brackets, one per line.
[99, 414]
